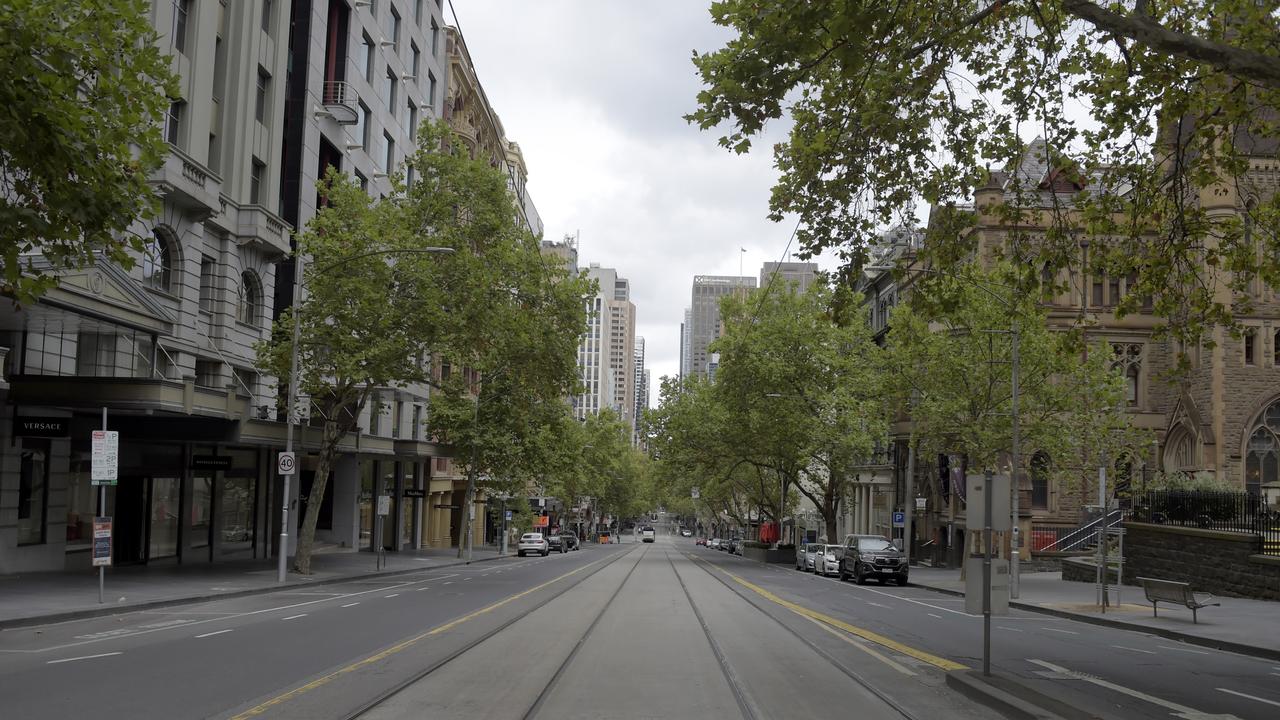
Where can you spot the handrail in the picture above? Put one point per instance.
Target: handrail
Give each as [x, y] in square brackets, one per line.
[1083, 533]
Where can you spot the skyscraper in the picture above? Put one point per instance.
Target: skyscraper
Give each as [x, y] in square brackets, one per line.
[606, 355]
[800, 275]
[641, 380]
[706, 324]
[685, 328]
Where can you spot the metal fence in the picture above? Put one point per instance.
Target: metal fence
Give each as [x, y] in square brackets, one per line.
[1225, 511]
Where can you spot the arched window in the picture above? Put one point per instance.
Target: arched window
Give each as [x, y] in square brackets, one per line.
[158, 258]
[1128, 360]
[1040, 466]
[250, 299]
[1262, 455]
[1182, 451]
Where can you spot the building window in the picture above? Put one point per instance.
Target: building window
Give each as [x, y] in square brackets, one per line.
[417, 12]
[1275, 349]
[364, 181]
[393, 29]
[157, 261]
[431, 88]
[1250, 354]
[388, 162]
[250, 298]
[1113, 286]
[173, 123]
[209, 373]
[1098, 299]
[435, 38]
[1128, 361]
[375, 413]
[395, 419]
[1182, 451]
[415, 430]
[415, 58]
[409, 177]
[413, 120]
[389, 91]
[364, 119]
[366, 58]
[258, 169]
[33, 492]
[181, 9]
[260, 100]
[208, 283]
[267, 6]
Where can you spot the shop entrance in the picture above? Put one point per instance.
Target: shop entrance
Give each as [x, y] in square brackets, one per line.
[146, 514]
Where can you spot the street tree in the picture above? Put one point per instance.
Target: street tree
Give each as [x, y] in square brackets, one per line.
[1150, 114]
[84, 91]
[803, 392]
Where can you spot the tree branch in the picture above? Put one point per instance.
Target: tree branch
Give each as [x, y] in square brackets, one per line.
[1241, 63]
[970, 21]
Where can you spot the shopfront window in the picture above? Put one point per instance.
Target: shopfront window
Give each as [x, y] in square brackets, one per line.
[82, 503]
[166, 496]
[236, 515]
[33, 492]
[201, 511]
[368, 476]
[408, 505]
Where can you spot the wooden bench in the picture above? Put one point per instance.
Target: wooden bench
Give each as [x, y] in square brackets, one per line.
[1179, 593]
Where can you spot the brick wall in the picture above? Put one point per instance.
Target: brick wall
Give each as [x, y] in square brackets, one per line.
[1222, 563]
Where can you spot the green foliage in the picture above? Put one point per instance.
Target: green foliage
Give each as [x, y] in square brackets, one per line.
[378, 312]
[895, 102]
[83, 94]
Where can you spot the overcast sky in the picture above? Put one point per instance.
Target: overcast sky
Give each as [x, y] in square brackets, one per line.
[594, 92]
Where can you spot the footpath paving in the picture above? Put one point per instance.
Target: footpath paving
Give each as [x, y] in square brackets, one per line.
[37, 598]
[1250, 627]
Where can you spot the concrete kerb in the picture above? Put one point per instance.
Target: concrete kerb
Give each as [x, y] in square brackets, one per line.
[1198, 640]
[106, 611]
[972, 685]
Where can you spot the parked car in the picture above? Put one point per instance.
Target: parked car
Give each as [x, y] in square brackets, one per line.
[647, 534]
[686, 533]
[827, 562]
[715, 543]
[533, 543]
[700, 541]
[801, 550]
[570, 541]
[735, 546]
[811, 552]
[556, 543]
[867, 556]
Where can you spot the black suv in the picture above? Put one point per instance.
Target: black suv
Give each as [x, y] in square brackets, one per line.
[872, 556]
[562, 542]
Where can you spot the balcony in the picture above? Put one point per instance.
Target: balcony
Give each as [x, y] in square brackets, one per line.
[342, 101]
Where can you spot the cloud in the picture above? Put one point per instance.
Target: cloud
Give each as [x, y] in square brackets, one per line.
[595, 93]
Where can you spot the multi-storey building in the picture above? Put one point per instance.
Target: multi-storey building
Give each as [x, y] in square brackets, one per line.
[686, 326]
[1217, 417]
[705, 322]
[640, 379]
[796, 274]
[167, 347]
[622, 340]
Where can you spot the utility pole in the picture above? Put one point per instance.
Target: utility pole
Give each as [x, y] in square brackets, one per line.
[1017, 487]
[283, 552]
[1102, 534]
[910, 505]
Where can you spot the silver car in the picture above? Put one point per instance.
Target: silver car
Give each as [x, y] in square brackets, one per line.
[811, 553]
[533, 543]
[826, 561]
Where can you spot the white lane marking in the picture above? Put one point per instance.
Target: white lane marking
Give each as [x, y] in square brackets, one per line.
[935, 615]
[865, 647]
[449, 583]
[1276, 674]
[1122, 647]
[1186, 650]
[881, 606]
[1065, 632]
[83, 657]
[393, 595]
[350, 605]
[148, 629]
[1181, 710]
[1002, 627]
[484, 574]
[899, 597]
[216, 632]
[294, 617]
[1251, 697]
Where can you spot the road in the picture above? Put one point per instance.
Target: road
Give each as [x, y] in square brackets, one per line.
[626, 631]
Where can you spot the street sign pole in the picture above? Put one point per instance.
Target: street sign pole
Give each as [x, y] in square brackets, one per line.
[293, 405]
[102, 512]
[986, 576]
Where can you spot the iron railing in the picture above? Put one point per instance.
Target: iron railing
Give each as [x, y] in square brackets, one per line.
[1223, 511]
[1074, 539]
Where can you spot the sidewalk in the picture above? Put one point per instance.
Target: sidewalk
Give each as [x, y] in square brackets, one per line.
[1250, 627]
[32, 598]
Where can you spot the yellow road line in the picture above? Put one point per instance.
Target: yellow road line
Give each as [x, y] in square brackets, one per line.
[259, 709]
[865, 647]
[877, 638]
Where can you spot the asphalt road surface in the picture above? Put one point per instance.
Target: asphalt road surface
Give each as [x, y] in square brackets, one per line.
[661, 630]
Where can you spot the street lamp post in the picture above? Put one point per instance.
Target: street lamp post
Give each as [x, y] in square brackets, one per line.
[293, 377]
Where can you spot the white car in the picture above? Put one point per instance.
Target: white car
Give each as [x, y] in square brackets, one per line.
[647, 534]
[533, 543]
[686, 533]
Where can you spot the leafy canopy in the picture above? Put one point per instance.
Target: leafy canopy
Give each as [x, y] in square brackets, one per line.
[1147, 111]
[82, 97]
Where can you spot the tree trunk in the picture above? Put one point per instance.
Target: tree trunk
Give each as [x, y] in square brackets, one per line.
[469, 498]
[307, 533]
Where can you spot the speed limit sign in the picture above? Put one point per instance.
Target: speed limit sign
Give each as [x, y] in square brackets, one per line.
[285, 463]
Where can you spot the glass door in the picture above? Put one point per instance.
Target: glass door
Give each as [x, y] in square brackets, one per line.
[166, 497]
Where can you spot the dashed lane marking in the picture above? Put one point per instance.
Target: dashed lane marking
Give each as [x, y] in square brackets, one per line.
[83, 657]
[215, 632]
[1183, 711]
[350, 605]
[294, 617]
[1137, 650]
[376, 657]
[936, 661]
[1005, 627]
[392, 595]
[1185, 650]
[1251, 697]
[1058, 630]
[934, 615]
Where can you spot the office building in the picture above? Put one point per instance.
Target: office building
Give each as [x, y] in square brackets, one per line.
[705, 323]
